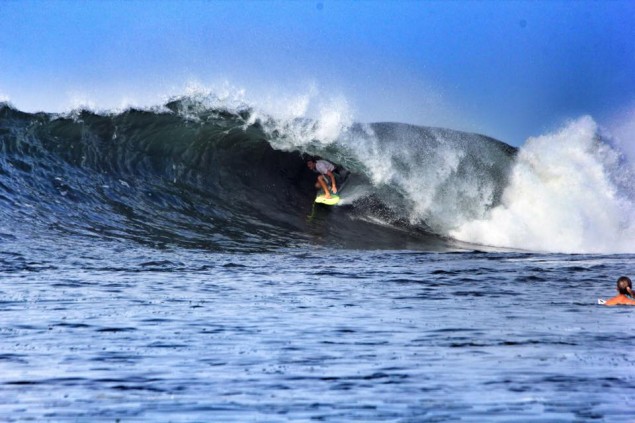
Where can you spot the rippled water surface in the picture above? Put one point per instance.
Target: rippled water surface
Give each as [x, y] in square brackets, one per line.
[102, 332]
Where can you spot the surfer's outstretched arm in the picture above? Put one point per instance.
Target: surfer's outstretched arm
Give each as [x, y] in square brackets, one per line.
[333, 186]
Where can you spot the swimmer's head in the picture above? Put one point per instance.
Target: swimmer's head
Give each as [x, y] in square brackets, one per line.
[624, 285]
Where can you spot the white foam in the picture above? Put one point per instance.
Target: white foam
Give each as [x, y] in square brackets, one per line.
[81, 100]
[310, 118]
[568, 192]
[297, 119]
[223, 95]
[439, 178]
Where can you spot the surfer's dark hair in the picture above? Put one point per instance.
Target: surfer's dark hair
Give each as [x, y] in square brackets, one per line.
[624, 285]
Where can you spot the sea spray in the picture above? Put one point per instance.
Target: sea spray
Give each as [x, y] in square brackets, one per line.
[567, 193]
[442, 177]
[621, 131]
[306, 123]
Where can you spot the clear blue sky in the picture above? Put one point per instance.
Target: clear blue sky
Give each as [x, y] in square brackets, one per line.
[509, 69]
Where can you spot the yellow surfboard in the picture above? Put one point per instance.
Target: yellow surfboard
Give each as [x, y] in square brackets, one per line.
[321, 199]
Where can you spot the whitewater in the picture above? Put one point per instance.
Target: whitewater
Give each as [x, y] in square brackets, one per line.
[167, 263]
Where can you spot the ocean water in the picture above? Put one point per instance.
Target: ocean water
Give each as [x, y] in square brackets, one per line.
[169, 265]
[110, 333]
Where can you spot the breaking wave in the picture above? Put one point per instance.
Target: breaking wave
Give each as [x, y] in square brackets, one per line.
[197, 173]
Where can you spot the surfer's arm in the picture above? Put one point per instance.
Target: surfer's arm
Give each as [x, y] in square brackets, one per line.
[333, 186]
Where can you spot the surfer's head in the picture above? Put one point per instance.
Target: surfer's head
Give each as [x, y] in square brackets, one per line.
[310, 164]
[625, 286]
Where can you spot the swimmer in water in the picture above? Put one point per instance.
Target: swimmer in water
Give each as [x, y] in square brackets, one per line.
[625, 293]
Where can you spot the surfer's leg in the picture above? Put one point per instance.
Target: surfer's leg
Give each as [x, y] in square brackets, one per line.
[321, 181]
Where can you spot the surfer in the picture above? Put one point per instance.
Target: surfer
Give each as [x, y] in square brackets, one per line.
[325, 177]
[625, 293]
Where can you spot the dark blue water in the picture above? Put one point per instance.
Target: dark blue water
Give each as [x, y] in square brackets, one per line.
[99, 331]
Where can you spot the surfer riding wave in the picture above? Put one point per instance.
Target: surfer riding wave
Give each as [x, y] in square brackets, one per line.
[325, 177]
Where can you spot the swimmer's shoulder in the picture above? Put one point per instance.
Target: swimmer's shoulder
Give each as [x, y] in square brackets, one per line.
[618, 300]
